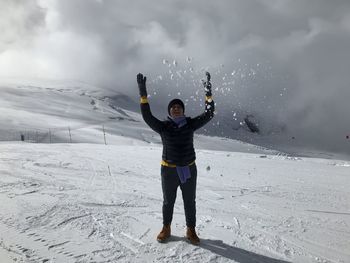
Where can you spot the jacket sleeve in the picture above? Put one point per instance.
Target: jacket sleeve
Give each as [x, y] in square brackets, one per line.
[148, 117]
[206, 116]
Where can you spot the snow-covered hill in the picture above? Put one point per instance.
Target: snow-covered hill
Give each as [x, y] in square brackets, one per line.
[71, 111]
[89, 202]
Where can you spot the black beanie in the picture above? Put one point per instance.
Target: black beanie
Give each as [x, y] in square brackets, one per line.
[176, 101]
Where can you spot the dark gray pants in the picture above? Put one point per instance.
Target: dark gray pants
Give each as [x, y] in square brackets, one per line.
[170, 183]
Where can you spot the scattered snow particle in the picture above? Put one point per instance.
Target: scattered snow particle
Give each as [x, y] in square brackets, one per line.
[179, 74]
[207, 219]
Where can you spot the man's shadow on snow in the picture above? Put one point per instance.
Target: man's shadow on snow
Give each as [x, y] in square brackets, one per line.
[237, 254]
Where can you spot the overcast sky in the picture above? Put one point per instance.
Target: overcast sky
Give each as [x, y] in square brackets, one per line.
[285, 61]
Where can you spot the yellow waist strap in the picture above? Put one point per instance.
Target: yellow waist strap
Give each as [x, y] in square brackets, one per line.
[165, 163]
[143, 100]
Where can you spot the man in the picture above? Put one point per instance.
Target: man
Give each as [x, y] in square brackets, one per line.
[178, 166]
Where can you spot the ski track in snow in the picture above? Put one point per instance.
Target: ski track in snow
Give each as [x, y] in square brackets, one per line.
[96, 203]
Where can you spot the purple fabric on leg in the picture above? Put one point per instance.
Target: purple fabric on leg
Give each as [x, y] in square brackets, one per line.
[184, 173]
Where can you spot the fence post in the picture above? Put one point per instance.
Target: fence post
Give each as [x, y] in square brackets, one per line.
[50, 134]
[104, 134]
[70, 136]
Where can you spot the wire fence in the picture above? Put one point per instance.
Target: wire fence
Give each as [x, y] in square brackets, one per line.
[30, 135]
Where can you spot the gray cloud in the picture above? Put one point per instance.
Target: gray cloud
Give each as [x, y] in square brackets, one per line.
[285, 61]
[19, 21]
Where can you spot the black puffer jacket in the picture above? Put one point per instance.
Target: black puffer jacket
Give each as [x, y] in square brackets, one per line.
[177, 142]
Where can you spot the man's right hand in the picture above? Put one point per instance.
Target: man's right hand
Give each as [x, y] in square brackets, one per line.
[141, 81]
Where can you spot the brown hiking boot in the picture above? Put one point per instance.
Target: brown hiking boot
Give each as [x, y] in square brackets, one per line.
[164, 234]
[192, 236]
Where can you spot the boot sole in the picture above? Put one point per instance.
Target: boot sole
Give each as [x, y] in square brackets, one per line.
[193, 243]
[163, 240]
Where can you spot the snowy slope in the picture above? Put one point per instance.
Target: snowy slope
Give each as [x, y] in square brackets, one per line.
[71, 111]
[89, 202]
[97, 203]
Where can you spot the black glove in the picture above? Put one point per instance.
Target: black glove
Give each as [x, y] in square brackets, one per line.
[207, 85]
[141, 81]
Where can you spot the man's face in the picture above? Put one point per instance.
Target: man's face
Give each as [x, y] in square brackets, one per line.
[176, 111]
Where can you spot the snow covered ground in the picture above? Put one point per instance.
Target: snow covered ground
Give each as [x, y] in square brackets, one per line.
[89, 202]
[98, 203]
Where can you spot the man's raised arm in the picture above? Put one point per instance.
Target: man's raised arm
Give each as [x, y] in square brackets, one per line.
[152, 121]
[208, 114]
